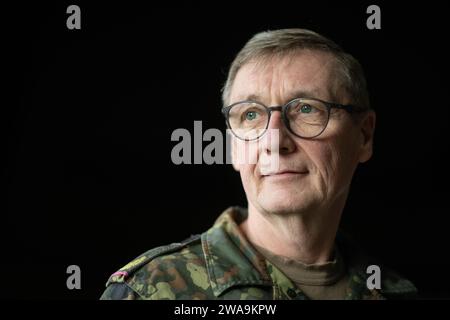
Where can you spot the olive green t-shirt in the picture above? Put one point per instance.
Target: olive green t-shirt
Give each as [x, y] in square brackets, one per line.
[325, 281]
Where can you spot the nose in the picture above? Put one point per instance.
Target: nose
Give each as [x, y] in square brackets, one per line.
[285, 143]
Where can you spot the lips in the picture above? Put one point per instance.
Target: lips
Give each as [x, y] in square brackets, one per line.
[285, 173]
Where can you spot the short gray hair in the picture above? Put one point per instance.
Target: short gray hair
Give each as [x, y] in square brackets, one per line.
[286, 41]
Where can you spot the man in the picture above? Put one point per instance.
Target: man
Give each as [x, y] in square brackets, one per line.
[286, 244]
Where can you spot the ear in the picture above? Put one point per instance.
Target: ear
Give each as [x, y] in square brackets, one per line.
[367, 130]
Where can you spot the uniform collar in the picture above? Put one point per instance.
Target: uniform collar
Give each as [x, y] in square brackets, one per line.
[232, 261]
[230, 258]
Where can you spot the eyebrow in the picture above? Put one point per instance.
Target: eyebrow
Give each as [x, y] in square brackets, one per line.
[295, 94]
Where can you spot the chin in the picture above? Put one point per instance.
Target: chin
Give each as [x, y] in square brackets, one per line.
[283, 202]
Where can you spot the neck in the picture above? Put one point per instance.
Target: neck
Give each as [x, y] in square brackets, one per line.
[306, 237]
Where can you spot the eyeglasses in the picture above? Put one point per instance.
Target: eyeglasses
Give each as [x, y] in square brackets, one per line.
[304, 117]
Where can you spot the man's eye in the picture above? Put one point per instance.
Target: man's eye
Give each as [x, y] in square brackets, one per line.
[306, 108]
[250, 115]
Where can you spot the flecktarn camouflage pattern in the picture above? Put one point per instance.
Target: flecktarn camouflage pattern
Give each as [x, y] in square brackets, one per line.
[222, 264]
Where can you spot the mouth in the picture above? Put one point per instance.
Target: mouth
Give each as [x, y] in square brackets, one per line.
[285, 174]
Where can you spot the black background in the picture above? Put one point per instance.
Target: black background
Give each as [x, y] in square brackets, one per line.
[88, 170]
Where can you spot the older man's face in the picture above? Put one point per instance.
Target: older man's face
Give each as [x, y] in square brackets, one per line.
[312, 173]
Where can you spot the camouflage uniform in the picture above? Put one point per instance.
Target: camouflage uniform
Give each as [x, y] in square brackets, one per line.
[222, 264]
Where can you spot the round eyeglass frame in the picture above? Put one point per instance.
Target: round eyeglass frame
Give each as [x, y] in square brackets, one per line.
[283, 109]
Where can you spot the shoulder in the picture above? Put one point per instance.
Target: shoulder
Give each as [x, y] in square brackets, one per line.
[165, 272]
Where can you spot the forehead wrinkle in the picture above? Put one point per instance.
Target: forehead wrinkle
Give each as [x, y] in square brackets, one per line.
[323, 68]
[261, 74]
[268, 72]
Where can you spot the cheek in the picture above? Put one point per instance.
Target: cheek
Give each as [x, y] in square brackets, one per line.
[244, 153]
[246, 156]
[333, 162]
[247, 177]
[324, 159]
